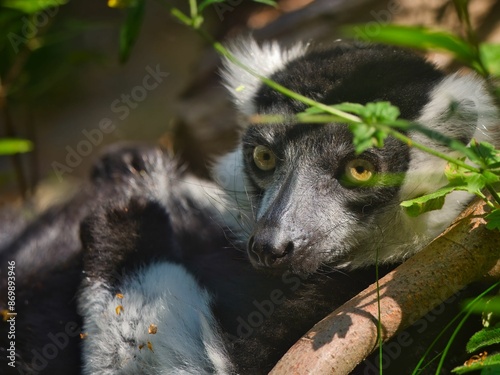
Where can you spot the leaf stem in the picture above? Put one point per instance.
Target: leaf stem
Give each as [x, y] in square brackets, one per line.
[436, 339]
[193, 9]
[341, 116]
[469, 310]
[276, 86]
[181, 17]
[352, 119]
[494, 194]
[396, 134]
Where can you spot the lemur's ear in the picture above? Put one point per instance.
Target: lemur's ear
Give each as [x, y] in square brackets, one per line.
[461, 107]
[263, 60]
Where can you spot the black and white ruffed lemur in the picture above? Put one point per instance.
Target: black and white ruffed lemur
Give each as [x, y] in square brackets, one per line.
[164, 273]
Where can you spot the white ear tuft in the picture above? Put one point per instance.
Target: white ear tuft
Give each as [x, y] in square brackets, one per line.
[461, 107]
[265, 60]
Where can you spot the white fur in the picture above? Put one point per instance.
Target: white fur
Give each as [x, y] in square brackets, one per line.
[163, 294]
[469, 94]
[426, 172]
[187, 341]
[208, 197]
[228, 173]
[475, 109]
[263, 60]
[399, 235]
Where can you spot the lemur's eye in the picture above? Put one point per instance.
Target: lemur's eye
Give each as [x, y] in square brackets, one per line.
[264, 158]
[359, 171]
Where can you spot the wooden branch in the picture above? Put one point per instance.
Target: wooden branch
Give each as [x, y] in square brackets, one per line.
[464, 253]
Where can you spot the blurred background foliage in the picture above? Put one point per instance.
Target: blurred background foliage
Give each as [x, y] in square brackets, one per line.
[61, 70]
[39, 59]
[67, 66]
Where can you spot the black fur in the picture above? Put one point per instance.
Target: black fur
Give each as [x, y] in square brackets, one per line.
[134, 211]
[127, 230]
[356, 73]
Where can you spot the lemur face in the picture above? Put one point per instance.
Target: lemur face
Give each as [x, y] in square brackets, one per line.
[311, 200]
[315, 199]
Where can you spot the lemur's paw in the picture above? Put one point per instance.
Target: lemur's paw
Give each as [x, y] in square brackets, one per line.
[126, 159]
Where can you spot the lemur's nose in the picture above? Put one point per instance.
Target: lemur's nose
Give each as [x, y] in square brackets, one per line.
[267, 248]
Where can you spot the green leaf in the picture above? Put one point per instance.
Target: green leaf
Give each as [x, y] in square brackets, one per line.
[483, 338]
[11, 146]
[366, 136]
[488, 155]
[493, 220]
[490, 365]
[490, 56]
[32, 6]
[490, 304]
[491, 370]
[371, 113]
[489, 177]
[380, 112]
[130, 29]
[428, 202]
[416, 37]
[470, 181]
[349, 107]
[475, 183]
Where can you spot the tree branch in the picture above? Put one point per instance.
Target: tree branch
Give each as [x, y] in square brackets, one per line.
[464, 253]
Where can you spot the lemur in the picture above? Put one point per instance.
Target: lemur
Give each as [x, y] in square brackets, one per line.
[150, 270]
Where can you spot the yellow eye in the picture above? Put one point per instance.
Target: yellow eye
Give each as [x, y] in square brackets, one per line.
[264, 158]
[359, 171]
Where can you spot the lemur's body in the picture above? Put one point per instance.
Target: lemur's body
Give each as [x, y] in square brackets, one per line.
[167, 252]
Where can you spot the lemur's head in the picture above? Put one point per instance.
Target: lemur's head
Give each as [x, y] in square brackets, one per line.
[311, 199]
